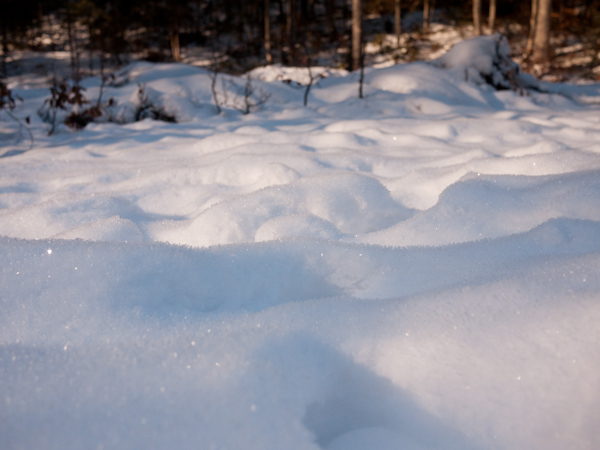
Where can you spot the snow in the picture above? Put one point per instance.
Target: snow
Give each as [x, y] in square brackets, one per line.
[418, 269]
[486, 59]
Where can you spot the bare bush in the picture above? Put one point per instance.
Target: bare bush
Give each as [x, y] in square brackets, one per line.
[63, 97]
[148, 109]
[79, 111]
[7, 104]
[249, 97]
[214, 70]
[312, 79]
[245, 99]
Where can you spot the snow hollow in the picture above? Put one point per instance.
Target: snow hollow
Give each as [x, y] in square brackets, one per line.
[418, 269]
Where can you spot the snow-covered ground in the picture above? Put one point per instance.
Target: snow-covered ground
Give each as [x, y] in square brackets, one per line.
[418, 269]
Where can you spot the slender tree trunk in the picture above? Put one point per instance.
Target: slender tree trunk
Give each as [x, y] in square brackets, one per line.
[75, 72]
[289, 22]
[361, 56]
[330, 12]
[267, 18]
[311, 80]
[91, 44]
[4, 49]
[492, 16]
[426, 15]
[541, 46]
[356, 33]
[174, 41]
[303, 20]
[290, 30]
[40, 17]
[362, 76]
[532, 27]
[398, 21]
[281, 36]
[477, 17]
[102, 51]
[254, 31]
[174, 34]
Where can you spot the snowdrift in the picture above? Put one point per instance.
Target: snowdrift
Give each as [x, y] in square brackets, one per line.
[419, 269]
[486, 60]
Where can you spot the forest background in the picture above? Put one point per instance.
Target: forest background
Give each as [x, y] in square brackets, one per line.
[556, 40]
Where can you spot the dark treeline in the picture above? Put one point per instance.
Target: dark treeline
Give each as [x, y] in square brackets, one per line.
[282, 31]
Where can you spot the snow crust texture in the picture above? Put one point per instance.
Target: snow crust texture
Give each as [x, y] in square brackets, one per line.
[417, 270]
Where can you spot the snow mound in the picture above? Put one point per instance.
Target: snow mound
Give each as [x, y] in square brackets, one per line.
[486, 60]
[482, 207]
[328, 206]
[435, 89]
[298, 75]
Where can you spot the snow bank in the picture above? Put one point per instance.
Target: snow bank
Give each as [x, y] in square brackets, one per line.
[419, 269]
[301, 76]
[322, 206]
[486, 60]
[119, 341]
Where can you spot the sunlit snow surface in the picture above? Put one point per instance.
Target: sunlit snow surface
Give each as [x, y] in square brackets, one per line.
[419, 269]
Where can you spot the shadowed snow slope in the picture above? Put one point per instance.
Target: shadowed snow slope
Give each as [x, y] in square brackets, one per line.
[416, 270]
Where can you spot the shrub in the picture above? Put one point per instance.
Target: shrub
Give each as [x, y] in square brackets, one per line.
[149, 109]
[7, 104]
[63, 97]
[69, 105]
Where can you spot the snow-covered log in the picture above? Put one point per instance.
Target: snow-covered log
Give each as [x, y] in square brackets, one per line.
[486, 60]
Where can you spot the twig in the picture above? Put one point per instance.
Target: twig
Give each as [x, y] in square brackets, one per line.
[311, 80]
[248, 101]
[21, 127]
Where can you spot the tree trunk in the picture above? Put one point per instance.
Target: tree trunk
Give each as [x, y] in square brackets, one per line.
[532, 27]
[492, 16]
[304, 19]
[281, 32]
[174, 35]
[267, 17]
[290, 31]
[477, 17]
[356, 33]
[91, 44]
[362, 77]
[4, 49]
[426, 15]
[75, 72]
[541, 45]
[398, 21]
[174, 41]
[330, 11]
